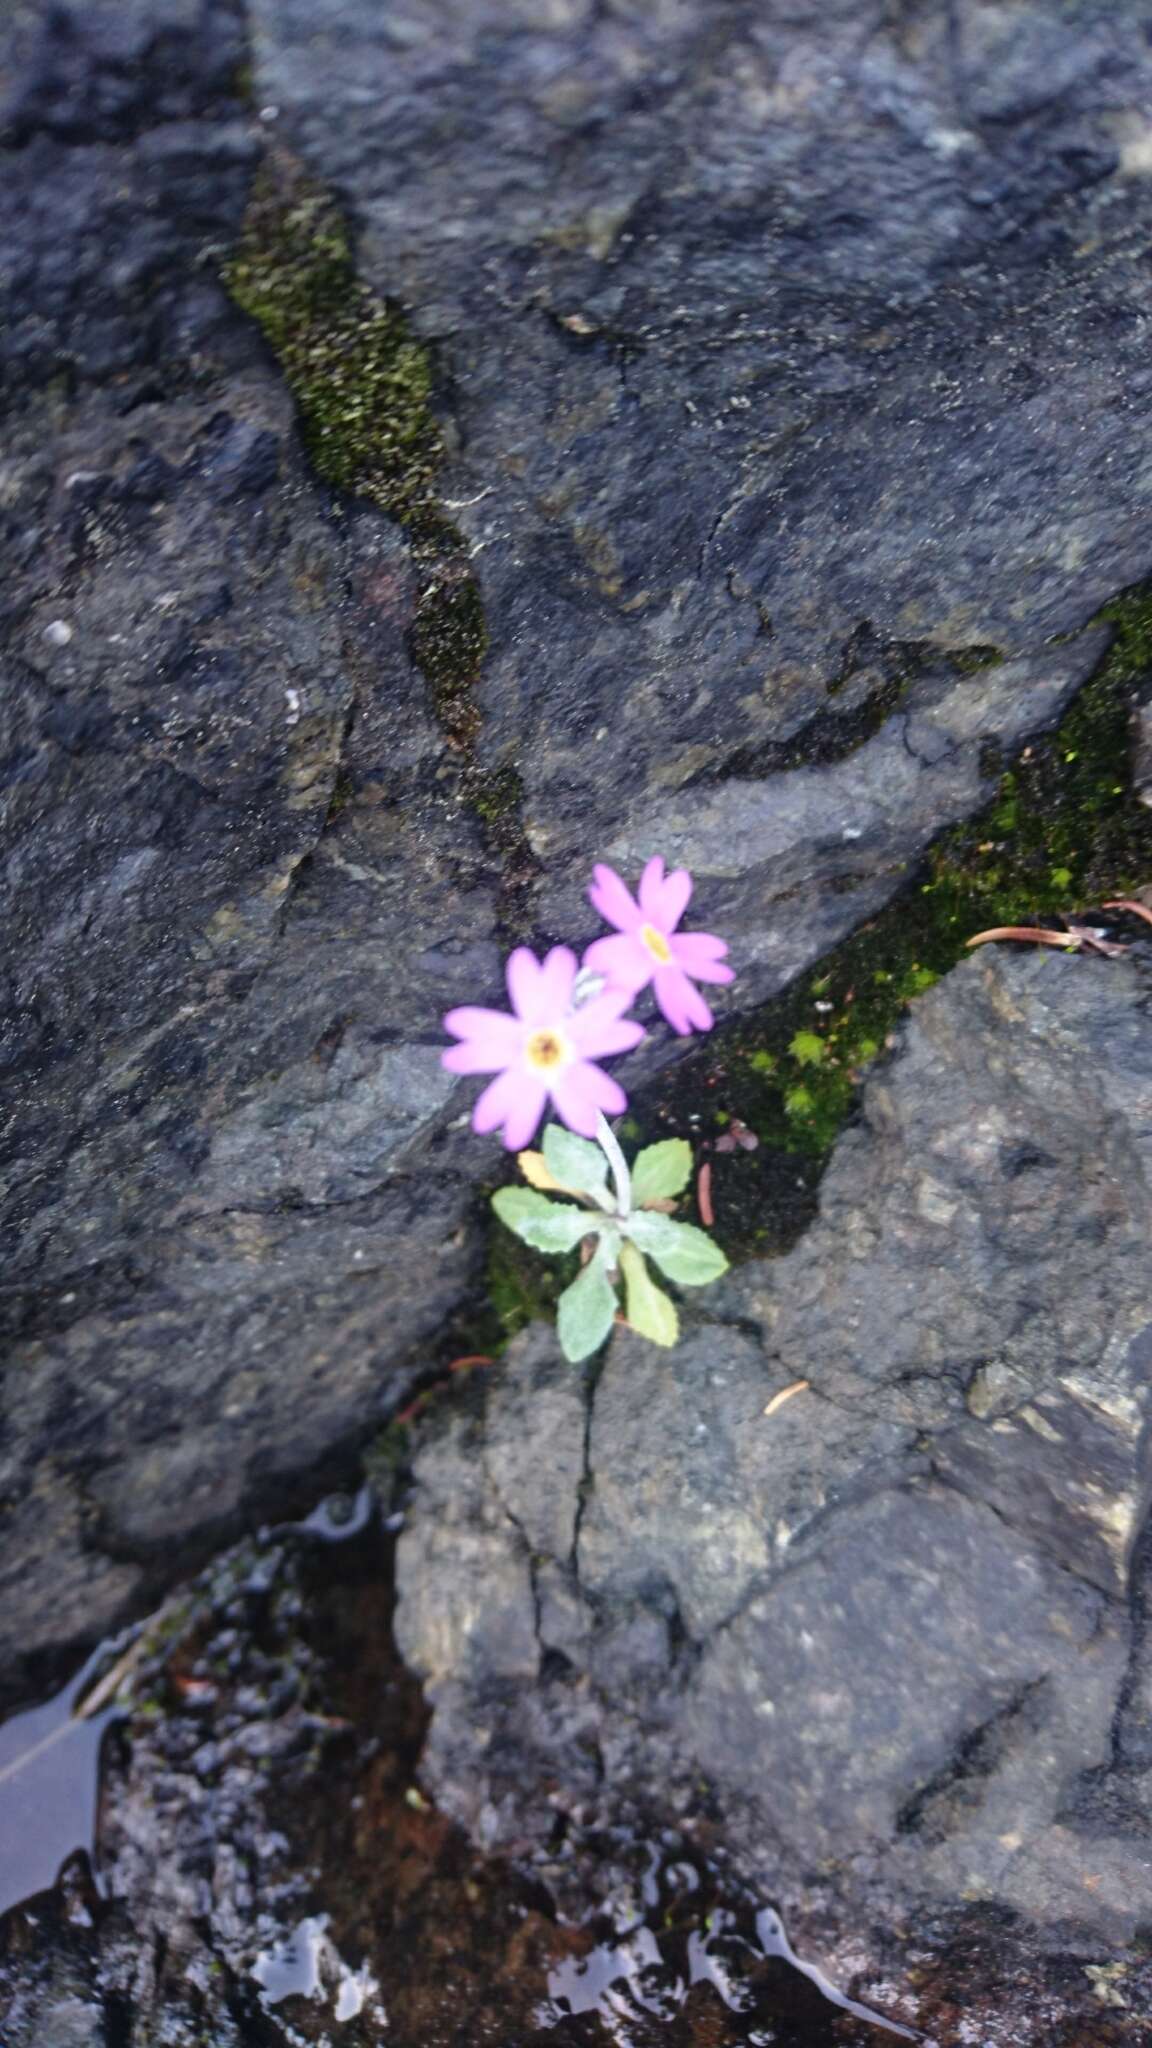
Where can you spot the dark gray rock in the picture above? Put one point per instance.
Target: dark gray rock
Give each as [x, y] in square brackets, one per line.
[758, 345]
[231, 845]
[789, 356]
[887, 1634]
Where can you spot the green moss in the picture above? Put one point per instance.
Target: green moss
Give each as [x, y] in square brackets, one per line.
[522, 1285]
[1065, 826]
[361, 380]
[1064, 829]
[449, 639]
[362, 383]
[497, 795]
[516, 1287]
[807, 1047]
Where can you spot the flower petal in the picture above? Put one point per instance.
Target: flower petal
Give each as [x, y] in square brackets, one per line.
[472, 1057]
[682, 1004]
[598, 1028]
[521, 1125]
[582, 1091]
[608, 895]
[651, 888]
[514, 1099]
[556, 977]
[523, 974]
[606, 1089]
[671, 900]
[705, 944]
[492, 1039]
[701, 956]
[623, 960]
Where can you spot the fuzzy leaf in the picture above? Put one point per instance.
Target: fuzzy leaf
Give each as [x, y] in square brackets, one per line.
[585, 1311]
[575, 1162]
[661, 1170]
[548, 1226]
[686, 1254]
[649, 1310]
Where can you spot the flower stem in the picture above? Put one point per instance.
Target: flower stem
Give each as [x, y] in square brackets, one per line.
[618, 1164]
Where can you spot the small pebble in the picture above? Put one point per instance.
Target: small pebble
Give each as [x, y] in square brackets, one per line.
[58, 634]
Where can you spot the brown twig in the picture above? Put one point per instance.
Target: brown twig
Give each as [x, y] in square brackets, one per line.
[704, 1195]
[1091, 940]
[1068, 942]
[785, 1394]
[1135, 909]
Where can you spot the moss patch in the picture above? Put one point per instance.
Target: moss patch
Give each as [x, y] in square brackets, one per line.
[1065, 826]
[496, 796]
[361, 380]
[516, 1286]
[449, 639]
[363, 385]
[521, 1286]
[1063, 831]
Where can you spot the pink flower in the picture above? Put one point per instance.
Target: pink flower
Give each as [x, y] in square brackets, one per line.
[545, 1049]
[648, 948]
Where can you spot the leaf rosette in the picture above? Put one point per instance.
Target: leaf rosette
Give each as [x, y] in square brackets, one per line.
[619, 1216]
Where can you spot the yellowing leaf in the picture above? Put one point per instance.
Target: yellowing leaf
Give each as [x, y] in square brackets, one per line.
[649, 1311]
[536, 1174]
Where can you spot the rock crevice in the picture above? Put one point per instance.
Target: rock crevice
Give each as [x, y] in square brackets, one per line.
[891, 1624]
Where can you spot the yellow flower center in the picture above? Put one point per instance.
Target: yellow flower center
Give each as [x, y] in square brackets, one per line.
[546, 1050]
[656, 943]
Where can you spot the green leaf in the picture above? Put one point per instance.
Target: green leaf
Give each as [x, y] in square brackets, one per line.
[585, 1311]
[686, 1254]
[575, 1162]
[649, 1310]
[548, 1226]
[662, 1170]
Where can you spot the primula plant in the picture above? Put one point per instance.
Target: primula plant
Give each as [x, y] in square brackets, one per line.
[564, 1018]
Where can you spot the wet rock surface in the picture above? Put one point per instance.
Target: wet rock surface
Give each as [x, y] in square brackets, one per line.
[762, 335]
[217, 1267]
[754, 348]
[266, 1871]
[887, 1631]
[790, 410]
